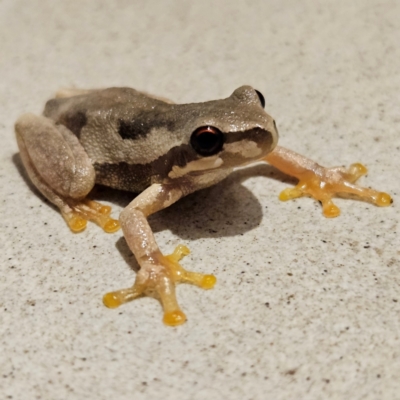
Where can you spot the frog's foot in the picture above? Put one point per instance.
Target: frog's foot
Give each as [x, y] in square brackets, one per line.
[88, 210]
[157, 278]
[324, 183]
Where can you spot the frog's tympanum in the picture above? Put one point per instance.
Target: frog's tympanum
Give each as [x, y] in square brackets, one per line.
[128, 140]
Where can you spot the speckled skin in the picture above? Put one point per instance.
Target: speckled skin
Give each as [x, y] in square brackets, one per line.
[134, 140]
[125, 139]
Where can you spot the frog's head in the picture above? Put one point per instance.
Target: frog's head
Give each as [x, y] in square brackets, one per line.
[230, 132]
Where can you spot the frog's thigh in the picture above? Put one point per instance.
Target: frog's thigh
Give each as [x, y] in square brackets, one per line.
[55, 160]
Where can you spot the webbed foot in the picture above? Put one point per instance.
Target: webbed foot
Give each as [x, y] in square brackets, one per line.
[157, 278]
[89, 210]
[324, 183]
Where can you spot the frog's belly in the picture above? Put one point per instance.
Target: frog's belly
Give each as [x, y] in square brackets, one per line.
[124, 176]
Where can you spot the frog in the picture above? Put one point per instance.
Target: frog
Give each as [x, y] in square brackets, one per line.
[162, 151]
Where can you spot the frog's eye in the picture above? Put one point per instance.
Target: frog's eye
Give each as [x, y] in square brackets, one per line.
[207, 140]
[261, 97]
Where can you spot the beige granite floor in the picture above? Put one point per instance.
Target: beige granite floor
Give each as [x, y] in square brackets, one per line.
[304, 307]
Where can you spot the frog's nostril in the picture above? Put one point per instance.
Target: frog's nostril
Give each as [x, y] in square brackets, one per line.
[276, 129]
[261, 97]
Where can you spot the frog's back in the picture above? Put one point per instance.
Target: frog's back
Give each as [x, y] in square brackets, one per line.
[127, 134]
[97, 102]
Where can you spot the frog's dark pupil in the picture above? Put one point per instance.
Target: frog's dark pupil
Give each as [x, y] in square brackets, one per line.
[261, 97]
[207, 140]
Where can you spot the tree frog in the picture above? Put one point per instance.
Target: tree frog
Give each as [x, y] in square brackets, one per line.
[129, 140]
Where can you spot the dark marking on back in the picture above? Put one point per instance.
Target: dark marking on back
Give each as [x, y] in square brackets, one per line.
[75, 122]
[141, 125]
[137, 177]
[130, 130]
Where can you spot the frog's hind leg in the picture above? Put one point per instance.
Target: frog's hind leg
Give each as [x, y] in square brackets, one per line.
[61, 170]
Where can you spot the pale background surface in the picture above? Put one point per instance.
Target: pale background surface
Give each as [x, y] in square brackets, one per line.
[304, 307]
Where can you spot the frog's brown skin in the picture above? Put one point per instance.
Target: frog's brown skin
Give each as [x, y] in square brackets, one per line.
[134, 140]
[126, 139]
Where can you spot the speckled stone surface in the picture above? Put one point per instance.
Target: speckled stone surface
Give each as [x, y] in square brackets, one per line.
[304, 307]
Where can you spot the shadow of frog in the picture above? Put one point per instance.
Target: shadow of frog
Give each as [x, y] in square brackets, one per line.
[225, 209]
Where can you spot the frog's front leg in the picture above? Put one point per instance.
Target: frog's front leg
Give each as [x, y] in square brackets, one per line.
[323, 183]
[158, 274]
[59, 167]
